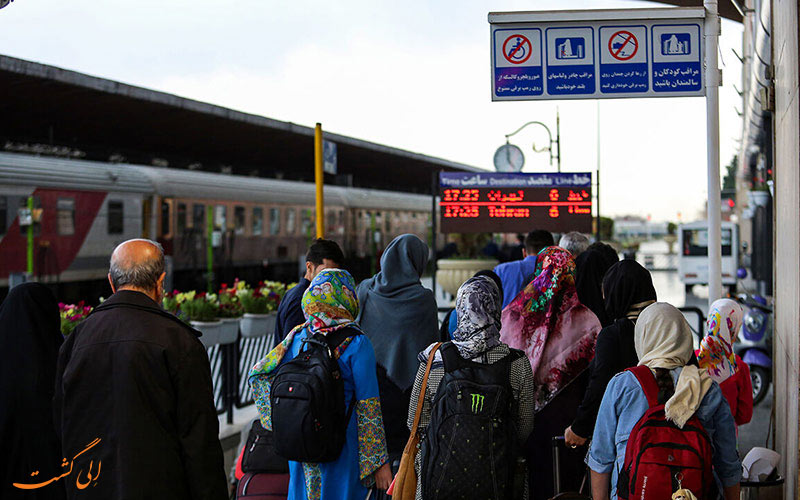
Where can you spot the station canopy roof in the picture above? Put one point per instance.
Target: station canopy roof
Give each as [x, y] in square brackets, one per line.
[49, 110]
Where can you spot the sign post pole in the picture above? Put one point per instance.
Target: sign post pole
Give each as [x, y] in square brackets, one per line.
[318, 177]
[210, 248]
[712, 29]
[29, 233]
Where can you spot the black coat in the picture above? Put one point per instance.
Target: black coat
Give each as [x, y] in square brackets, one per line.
[613, 353]
[138, 379]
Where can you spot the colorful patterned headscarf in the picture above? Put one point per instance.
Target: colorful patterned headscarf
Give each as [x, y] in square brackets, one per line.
[329, 304]
[478, 311]
[555, 275]
[547, 321]
[716, 350]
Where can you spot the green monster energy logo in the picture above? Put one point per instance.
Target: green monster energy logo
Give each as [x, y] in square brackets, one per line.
[477, 403]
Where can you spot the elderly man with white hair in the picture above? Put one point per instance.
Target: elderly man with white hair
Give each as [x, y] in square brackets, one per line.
[134, 403]
[574, 242]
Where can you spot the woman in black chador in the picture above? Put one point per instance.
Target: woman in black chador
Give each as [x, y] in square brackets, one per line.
[30, 335]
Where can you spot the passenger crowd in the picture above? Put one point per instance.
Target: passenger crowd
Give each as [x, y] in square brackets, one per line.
[539, 347]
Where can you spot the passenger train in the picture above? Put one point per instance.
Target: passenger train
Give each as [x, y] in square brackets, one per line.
[260, 227]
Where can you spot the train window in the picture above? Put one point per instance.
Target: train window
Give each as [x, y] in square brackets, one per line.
[165, 226]
[181, 218]
[274, 221]
[388, 223]
[291, 220]
[238, 220]
[305, 222]
[258, 221]
[3, 215]
[115, 217]
[331, 220]
[198, 217]
[220, 217]
[65, 216]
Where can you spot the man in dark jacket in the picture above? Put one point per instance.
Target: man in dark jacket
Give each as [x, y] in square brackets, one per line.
[133, 400]
[322, 254]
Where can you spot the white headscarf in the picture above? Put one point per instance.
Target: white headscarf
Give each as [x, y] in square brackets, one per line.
[716, 350]
[663, 339]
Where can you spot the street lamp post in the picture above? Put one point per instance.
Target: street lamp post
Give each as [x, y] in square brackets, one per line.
[549, 148]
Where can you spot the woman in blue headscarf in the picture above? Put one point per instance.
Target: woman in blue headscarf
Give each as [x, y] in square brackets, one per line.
[330, 304]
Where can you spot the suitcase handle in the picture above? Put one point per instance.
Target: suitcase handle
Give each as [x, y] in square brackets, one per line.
[556, 462]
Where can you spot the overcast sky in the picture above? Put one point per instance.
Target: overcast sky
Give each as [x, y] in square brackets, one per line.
[412, 74]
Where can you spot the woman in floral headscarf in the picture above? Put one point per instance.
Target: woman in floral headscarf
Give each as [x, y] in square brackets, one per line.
[330, 304]
[723, 366]
[547, 321]
[557, 333]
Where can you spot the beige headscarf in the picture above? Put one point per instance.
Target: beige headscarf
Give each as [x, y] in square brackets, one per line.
[663, 339]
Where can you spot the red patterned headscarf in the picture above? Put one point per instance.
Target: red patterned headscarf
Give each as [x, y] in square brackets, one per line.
[550, 325]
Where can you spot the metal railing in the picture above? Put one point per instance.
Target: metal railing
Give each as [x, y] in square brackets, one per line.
[230, 367]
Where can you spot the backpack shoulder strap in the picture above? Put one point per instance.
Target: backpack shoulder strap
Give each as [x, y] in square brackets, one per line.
[336, 338]
[450, 357]
[648, 382]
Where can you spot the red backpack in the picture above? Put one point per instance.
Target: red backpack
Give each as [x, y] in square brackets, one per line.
[661, 458]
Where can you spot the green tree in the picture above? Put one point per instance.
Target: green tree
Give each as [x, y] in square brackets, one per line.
[729, 181]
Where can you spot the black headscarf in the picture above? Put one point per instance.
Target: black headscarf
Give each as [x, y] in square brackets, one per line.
[30, 336]
[590, 267]
[626, 283]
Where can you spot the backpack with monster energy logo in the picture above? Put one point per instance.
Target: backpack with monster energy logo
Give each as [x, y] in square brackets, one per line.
[470, 447]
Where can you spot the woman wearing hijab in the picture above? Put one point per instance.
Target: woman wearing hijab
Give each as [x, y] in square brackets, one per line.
[716, 356]
[557, 333]
[30, 336]
[590, 268]
[400, 317]
[330, 304]
[547, 321]
[451, 318]
[663, 342]
[476, 338]
[627, 289]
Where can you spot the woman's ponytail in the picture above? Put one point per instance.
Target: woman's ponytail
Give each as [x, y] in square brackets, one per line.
[666, 388]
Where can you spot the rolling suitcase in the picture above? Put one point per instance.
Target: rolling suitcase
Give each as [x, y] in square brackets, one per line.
[577, 494]
[263, 486]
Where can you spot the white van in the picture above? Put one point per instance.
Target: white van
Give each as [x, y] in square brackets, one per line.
[693, 262]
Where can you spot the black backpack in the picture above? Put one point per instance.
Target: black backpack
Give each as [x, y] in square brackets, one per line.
[470, 447]
[307, 397]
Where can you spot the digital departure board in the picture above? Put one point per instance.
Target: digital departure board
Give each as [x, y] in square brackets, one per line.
[515, 202]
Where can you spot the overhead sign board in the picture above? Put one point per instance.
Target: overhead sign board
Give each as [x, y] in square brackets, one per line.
[597, 54]
[515, 202]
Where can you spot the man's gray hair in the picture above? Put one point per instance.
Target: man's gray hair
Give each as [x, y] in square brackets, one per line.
[574, 242]
[143, 275]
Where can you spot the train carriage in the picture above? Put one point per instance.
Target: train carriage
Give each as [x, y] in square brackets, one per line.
[260, 227]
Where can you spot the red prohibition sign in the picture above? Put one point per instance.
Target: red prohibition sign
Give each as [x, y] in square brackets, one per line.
[623, 40]
[519, 51]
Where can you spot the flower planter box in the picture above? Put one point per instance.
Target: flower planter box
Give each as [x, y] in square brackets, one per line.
[229, 331]
[257, 325]
[759, 198]
[210, 331]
